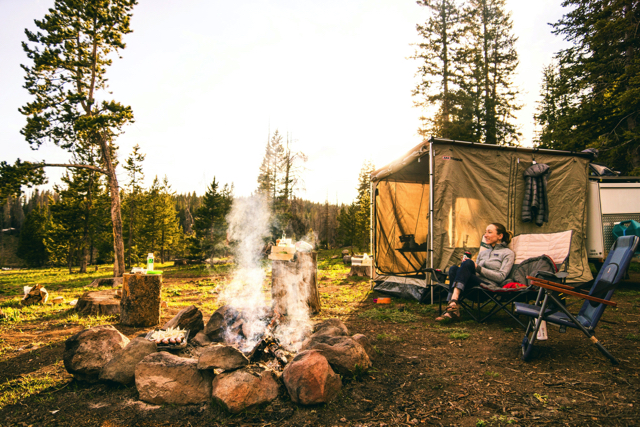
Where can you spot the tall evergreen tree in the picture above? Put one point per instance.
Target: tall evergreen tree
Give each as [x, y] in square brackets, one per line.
[437, 50]
[160, 229]
[71, 51]
[490, 58]
[270, 169]
[363, 201]
[132, 202]
[210, 223]
[31, 243]
[598, 76]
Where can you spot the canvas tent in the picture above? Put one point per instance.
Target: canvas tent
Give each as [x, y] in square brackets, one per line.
[462, 187]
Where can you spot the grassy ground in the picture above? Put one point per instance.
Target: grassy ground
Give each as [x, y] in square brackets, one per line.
[461, 373]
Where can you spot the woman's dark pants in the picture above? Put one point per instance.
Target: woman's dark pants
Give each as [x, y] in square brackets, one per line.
[463, 277]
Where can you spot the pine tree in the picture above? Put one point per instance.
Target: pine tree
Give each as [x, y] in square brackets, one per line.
[598, 76]
[31, 243]
[490, 60]
[362, 237]
[437, 70]
[270, 169]
[210, 224]
[71, 50]
[132, 202]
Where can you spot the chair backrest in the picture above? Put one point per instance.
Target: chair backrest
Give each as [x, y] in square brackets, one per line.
[556, 246]
[611, 273]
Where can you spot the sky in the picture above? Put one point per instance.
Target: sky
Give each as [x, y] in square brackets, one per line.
[208, 80]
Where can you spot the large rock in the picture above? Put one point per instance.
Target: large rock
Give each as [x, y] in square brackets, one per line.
[121, 368]
[163, 378]
[245, 388]
[324, 332]
[88, 351]
[201, 339]
[310, 380]
[220, 356]
[330, 327]
[218, 321]
[366, 344]
[344, 355]
[98, 303]
[188, 318]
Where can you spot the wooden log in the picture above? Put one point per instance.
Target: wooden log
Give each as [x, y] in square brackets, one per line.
[140, 303]
[98, 302]
[37, 295]
[290, 279]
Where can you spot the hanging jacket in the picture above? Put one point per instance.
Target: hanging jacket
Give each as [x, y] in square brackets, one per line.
[535, 206]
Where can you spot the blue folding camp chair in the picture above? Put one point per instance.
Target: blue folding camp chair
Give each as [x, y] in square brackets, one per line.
[551, 309]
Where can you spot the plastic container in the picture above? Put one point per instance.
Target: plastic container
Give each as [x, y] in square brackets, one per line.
[150, 262]
[626, 228]
[382, 300]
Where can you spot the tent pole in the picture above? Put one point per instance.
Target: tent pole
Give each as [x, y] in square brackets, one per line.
[431, 216]
[371, 222]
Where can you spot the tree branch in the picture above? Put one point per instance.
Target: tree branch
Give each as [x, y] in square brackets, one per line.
[68, 165]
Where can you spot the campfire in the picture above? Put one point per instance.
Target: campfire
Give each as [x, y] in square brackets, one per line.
[249, 347]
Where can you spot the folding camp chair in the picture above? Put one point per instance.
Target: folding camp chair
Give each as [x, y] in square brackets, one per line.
[549, 307]
[536, 255]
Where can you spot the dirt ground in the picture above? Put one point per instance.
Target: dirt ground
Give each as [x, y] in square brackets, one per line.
[463, 374]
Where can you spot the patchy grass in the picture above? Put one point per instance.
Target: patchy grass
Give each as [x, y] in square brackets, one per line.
[633, 337]
[389, 315]
[459, 335]
[27, 385]
[387, 337]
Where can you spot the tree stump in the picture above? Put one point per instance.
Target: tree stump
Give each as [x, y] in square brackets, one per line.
[98, 302]
[295, 281]
[140, 303]
[361, 270]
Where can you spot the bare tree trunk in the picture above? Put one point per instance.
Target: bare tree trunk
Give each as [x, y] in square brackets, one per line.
[116, 218]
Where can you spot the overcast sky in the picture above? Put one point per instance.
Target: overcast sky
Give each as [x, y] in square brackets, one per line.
[208, 79]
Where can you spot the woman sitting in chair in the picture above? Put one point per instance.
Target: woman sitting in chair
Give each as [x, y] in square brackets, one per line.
[492, 266]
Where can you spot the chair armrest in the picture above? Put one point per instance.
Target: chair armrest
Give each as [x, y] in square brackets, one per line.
[552, 286]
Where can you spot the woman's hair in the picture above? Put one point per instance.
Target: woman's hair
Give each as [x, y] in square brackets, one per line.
[501, 229]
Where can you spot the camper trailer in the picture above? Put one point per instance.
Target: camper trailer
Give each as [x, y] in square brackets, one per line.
[612, 201]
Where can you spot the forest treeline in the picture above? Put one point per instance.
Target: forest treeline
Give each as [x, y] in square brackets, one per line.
[71, 226]
[466, 59]
[589, 96]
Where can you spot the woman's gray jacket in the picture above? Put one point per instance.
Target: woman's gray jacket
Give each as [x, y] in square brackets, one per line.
[495, 263]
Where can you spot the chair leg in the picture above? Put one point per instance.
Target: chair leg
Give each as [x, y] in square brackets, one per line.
[531, 332]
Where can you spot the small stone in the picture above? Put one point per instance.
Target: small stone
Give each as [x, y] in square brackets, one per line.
[163, 378]
[366, 344]
[220, 356]
[310, 380]
[201, 339]
[245, 388]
